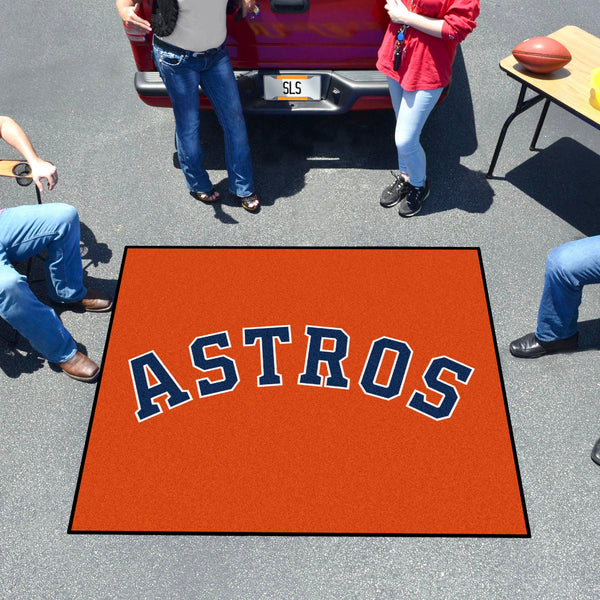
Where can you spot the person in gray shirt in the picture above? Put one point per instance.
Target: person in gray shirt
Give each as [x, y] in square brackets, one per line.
[189, 51]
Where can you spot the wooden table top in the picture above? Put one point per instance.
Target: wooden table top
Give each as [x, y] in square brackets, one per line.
[571, 85]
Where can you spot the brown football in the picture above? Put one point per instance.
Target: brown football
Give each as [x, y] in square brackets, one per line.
[541, 54]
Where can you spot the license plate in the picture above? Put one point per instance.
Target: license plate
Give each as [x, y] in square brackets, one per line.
[292, 87]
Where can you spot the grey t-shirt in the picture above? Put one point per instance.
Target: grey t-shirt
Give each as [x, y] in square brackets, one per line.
[200, 25]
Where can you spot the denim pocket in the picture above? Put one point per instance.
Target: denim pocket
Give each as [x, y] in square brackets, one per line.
[169, 58]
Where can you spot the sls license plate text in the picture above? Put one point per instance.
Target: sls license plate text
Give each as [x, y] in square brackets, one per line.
[292, 87]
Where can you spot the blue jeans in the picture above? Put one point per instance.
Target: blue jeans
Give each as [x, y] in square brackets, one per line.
[24, 232]
[568, 268]
[182, 72]
[412, 110]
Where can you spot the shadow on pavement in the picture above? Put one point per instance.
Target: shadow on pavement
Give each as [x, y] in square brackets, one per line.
[564, 178]
[448, 135]
[285, 148]
[589, 334]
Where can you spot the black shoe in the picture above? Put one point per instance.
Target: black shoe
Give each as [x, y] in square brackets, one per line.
[395, 192]
[596, 452]
[529, 346]
[412, 203]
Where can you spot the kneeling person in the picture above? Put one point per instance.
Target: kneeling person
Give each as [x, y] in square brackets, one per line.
[26, 231]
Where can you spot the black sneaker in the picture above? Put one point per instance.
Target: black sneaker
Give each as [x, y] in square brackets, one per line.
[395, 192]
[413, 201]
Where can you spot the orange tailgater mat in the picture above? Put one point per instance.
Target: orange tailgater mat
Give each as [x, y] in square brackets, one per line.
[325, 391]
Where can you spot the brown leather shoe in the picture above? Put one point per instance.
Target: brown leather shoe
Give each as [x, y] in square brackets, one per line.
[96, 301]
[80, 367]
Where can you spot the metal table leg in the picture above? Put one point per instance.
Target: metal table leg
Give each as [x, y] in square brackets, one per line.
[522, 106]
[536, 135]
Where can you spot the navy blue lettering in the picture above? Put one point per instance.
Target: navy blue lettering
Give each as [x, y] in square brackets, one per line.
[230, 379]
[315, 355]
[396, 381]
[146, 393]
[450, 397]
[268, 358]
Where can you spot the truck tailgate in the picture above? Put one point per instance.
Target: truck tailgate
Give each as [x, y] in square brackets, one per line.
[329, 34]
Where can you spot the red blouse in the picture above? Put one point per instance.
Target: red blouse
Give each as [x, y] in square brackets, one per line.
[427, 60]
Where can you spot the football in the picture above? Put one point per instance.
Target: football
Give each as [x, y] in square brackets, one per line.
[541, 54]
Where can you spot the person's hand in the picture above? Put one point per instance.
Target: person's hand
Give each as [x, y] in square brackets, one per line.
[132, 20]
[42, 169]
[397, 11]
[247, 7]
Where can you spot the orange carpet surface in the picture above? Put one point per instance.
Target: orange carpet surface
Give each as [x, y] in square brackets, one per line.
[301, 391]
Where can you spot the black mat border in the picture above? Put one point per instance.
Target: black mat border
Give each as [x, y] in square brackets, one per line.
[302, 534]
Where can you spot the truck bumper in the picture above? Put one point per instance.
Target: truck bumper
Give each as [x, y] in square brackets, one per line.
[341, 91]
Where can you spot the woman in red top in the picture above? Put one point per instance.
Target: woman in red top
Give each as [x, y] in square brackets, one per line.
[416, 55]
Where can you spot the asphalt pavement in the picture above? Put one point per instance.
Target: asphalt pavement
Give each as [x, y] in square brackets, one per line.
[67, 77]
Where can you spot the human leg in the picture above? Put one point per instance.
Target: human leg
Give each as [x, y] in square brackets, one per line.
[396, 93]
[181, 80]
[24, 232]
[34, 320]
[393, 193]
[220, 86]
[410, 188]
[412, 109]
[27, 230]
[568, 269]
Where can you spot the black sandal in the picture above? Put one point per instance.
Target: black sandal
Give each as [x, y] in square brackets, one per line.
[206, 196]
[250, 203]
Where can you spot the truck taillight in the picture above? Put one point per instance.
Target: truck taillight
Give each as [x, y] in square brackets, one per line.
[134, 36]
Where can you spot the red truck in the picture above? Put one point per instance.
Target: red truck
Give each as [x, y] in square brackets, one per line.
[305, 56]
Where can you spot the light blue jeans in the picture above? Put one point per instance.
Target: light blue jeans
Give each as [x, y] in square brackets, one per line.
[24, 232]
[568, 268]
[182, 72]
[412, 110]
